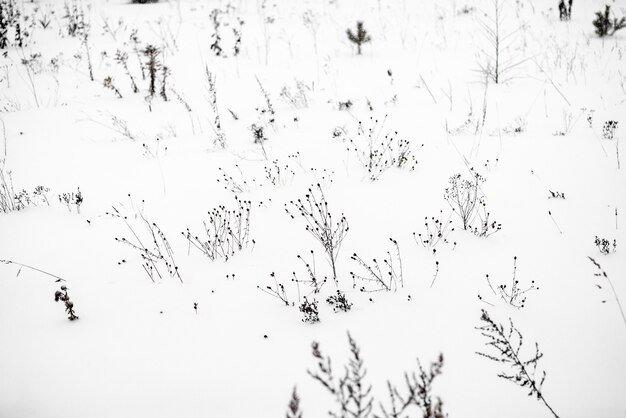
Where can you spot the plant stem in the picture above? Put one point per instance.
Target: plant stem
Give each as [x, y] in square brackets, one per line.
[547, 406]
[619, 305]
[32, 268]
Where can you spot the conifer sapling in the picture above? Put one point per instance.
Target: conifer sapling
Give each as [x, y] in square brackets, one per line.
[360, 37]
[607, 26]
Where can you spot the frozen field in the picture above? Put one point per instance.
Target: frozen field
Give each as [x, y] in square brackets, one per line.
[163, 161]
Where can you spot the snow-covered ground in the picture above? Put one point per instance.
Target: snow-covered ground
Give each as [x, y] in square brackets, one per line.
[209, 341]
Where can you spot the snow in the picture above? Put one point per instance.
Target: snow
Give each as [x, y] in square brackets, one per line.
[140, 349]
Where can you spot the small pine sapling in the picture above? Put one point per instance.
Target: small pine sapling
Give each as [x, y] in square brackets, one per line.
[605, 25]
[360, 37]
[62, 296]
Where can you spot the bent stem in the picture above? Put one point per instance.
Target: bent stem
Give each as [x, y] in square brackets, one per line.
[32, 268]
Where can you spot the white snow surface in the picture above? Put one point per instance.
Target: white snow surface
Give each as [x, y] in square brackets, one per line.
[139, 349]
